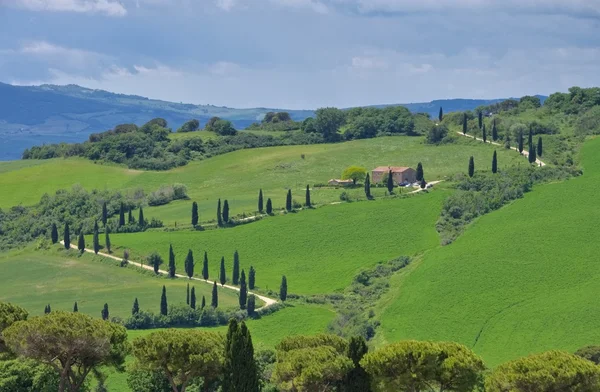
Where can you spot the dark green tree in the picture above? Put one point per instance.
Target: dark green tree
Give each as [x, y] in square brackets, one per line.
[484, 133]
[357, 379]
[122, 215]
[251, 278]
[288, 200]
[141, 220]
[390, 182]
[539, 147]
[96, 240]
[530, 138]
[471, 167]
[251, 307]
[54, 233]
[193, 298]
[269, 207]
[130, 217]
[187, 294]
[368, 187]
[47, 309]
[520, 142]
[205, 267]
[441, 114]
[464, 123]
[81, 243]
[107, 243]
[480, 119]
[171, 262]
[136, 307]
[219, 216]
[194, 214]
[164, 307]
[260, 201]
[222, 275]
[226, 211]
[283, 289]
[494, 130]
[105, 314]
[307, 203]
[75, 307]
[507, 141]
[243, 291]
[423, 184]
[532, 155]
[240, 371]
[104, 214]
[189, 264]
[214, 300]
[67, 237]
[420, 174]
[203, 305]
[235, 276]
[155, 260]
[494, 163]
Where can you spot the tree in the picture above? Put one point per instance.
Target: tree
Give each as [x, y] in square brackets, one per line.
[219, 216]
[494, 130]
[357, 379]
[591, 353]
[471, 167]
[235, 276]
[436, 133]
[494, 163]
[10, 314]
[105, 314]
[193, 298]
[390, 182]
[307, 202]
[424, 366]
[203, 302]
[75, 307]
[539, 147]
[368, 187]
[354, 173]
[464, 123]
[189, 264]
[164, 308]
[107, 243]
[130, 217]
[54, 233]
[73, 344]
[251, 278]
[214, 301]
[189, 126]
[550, 371]
[223, 128]
[251, 306]
[226, 211]
[328, 122]
[194, 214]
[182, 355]
[283, 289]
[531, 155]
[122, 215]
[507, 141]
[47, 309]
[260, 201]
[530, 138]
[96, 240]
[67, 237]
[136, 307]
[484, 133]
[480, 119]
[423, 184]
[141, 220]
[205, 267]
[187, 294]
[520, 142]
[269, 207]
[171, 262]
[240, 371]
[288, 200]
[243, 291]
[222, 275]
[81, 243]
[441, 114]
[104, 214]
[155, 260]
[420, 174]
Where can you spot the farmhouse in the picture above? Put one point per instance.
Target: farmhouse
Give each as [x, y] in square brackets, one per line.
[399, 174]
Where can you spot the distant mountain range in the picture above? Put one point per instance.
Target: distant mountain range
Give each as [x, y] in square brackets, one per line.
[34, 115]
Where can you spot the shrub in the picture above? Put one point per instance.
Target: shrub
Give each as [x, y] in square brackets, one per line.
[167, 194]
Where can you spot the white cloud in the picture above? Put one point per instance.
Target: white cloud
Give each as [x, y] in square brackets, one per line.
[226, 4]
[369, 63]
[56, 55]
[107, 7]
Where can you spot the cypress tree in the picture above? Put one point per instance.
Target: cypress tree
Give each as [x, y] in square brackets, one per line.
[107, 239]
[189, 264]
[260, 201]
[187, 295]
[81, 243]
[122, 215]
[205, 267]
[130, 217]
[480, 119]
[226, 211]
[243, 291]
[539, 147]
[464, 124]
[269, 207]
[235, 276]
[141, 220]
[136, 307]
[494, 130]
[75, 307]
[441, 114]
[193, 298]
[194, 214]
[390, 182]
[47, 309]
[357, 379]
[240, 371]
[104, 214]
[251, 307]
[368, 186]
[67, 237]
[420, 174]
[222, 276]
[171, 262]
[484, 132]
[96, 240]
[520, 142]
[530, 139]
[214, 301]
[203, 302]
[507, 142]
[471, 167]
[532, 155]
[251, 278]
[308, 203]
[423, 184]
[283, 288]
[54, 233]
[288, 200]
[219, 216]
[494, 163]
[104, 312]
[163, 302]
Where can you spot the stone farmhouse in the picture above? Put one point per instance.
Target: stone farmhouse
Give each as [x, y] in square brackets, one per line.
[399, 174]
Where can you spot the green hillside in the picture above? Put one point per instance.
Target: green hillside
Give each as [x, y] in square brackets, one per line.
[521, 280]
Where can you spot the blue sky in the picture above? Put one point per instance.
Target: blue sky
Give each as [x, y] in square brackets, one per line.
[303, 53]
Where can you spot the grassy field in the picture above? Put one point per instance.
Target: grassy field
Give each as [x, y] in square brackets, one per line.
[238, 176]
[33, 279]
[521, 280]
[319, 250]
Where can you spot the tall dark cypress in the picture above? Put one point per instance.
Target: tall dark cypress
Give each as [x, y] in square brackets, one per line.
[539, 147]
[307, 203]
[75, 307]
[532, 155]
[187, 294]
[269, 207]
[193, 298]
[163, 302]
[471, 167]
[54, 233]
[122, 215]
[251, 278]
[104, 214]
[235, 275]
[494, 163]
[390, 182]
[283, 289]
[240, 371]
[530, 139]
[214, 300]
[260, 201]
[189, 264]
[243, 291]
[219, 216]
[222, 275]
[226, 211]
[357, 379]
[484, 132]
[288, 200]
[141, 220]
[107, 243]
[194, 214]
[205, 267]
[67, 237]
[130, 217]
[520, 141]
[480, 119]
[494, 130]
[441, 114]
[251, 307]
[171, 262]
[464, 124]
[203, 305]
[96, 240]
[81, 243]
[136, 307]
[368, 186]
[105, 314]
[420, 174]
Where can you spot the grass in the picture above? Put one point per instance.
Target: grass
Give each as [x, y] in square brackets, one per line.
[521, 280]
[33, 279]
[320, 250]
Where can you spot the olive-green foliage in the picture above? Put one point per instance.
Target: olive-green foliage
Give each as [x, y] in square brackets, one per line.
[575, 101]
[552, 371]
[591, 353]
[9, 314]
[437, 134]
[354, 173]
[20, 375]
[340, 345]
[424, 366]
[189, 126]
[589, 122]
[363, 123]
[328, 122]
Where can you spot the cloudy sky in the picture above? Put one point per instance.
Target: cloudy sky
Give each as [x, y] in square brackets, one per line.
[303, 53]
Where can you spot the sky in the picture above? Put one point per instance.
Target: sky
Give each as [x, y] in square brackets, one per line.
[303, 54]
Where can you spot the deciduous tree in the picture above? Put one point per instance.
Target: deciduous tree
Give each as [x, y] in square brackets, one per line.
[354, 173]
[155, 260]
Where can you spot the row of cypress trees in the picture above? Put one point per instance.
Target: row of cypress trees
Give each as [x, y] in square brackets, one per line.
[81, 238]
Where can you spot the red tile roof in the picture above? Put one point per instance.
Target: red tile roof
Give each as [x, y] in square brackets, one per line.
[394, 169]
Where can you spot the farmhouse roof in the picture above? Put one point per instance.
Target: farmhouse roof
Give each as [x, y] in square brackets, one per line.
[394, 169]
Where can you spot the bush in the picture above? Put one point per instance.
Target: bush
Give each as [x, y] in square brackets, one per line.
[436, 134]
[167, 194]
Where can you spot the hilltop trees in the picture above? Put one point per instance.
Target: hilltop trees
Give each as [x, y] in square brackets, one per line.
[288, 201]
[54, 233]
[307, 202]
[235, 275]
[222, 275]
[189, 264]
[420, 174]
[96, 240]
[189, 126]
[251, 278]
[171, 262]
[214, 300]
[67, 237]
[194, 214]
[164, 308]
[260, 201]
[328, 121]
[283, 289]
[205, 267]
[471, 167]
[219, 216]
[539, 147]
[107, 243]
[240, 371]
[368, 187]
[226, 211]
[269, 207]
[494, 163]
[354, 173]
[81, 243]
[390, 182]
[243, 291]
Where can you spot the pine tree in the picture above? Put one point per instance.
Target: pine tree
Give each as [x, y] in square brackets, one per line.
[539, 147]
[75, 307]
[130, 217]
[187, 295]
[471, 167]
[193, 298]
[203, 302]
[122, 215]
[420, 174]
[260, 201]
[104, 312]
[136, 307]
[441, 114]
[96, 240]
[283, 288]
[390, 182]
[189, 264]
[104, 214]
[81, 243]
[163, 302]
[205, 267]
[480, 119]
[484, 132]
[171, 262]
[194, 214]
[288, 200]
[226, 211]
[219, 216]
[243, 291]
[532, 155]
[494, 130]
[235, 276]
[240, 371]
[368, 187]
[520, 142]
[269, 207]
[67, 237]
[251, 278]
[107, 243]
[214, 301]
[494, 163]
[141, 220]
[464, 124]
[222, 276]
[307, 203]
[54, 233]
[357, 379]
[251, 307]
